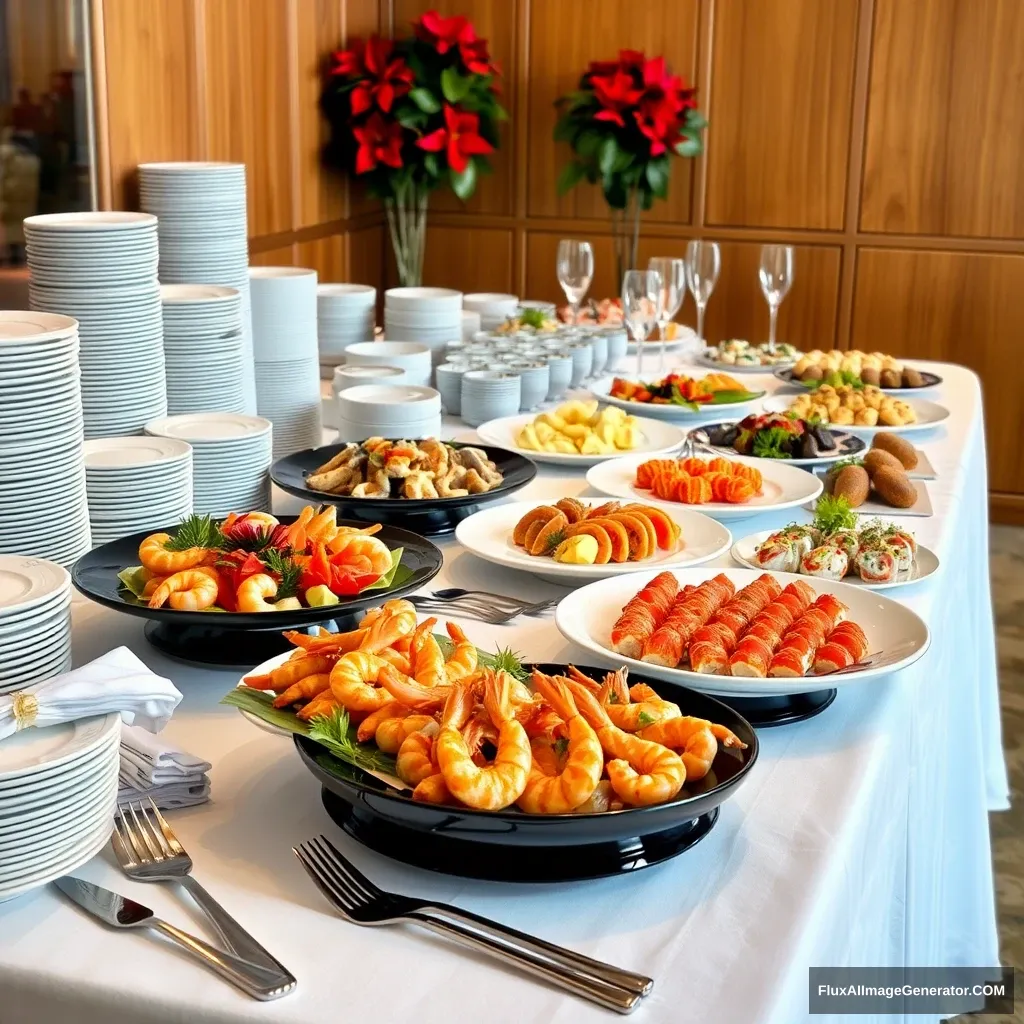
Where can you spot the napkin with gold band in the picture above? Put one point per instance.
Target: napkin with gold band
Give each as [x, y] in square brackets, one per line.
[117, 681]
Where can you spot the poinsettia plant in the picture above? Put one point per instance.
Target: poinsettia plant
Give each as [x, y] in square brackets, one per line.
[624, 122]
[410, 115]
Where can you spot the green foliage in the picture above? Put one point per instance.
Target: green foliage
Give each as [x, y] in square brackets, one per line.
[196, 532]
[425, 100]
[463, 184]
[771, 443]
[834, 512]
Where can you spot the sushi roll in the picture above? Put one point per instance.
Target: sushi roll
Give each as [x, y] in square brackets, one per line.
[876, 565]
[747, 359]
[846, 540]
[828, 561]
[782, 556]
[846, 645]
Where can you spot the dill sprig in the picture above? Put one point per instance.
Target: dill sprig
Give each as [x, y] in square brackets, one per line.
[333, 731]
[196, 532]
[507, 660]
[287, 570]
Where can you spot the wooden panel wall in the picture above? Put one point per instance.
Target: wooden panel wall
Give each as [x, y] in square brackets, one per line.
[883, 138]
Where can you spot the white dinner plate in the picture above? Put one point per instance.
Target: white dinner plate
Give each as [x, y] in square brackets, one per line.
[707, 360]
[670, 412]
[656, 437]
[929, 414]
[782, 487]
[27, 582]
[122, 453]
[30, 750]
[925, 564]
[46, 792]
[488, 534]
[212, 427]
[587, 615]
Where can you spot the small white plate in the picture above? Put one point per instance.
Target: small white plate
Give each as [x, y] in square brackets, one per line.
[122, 453]
[488, 534]
[657, 438]
[587, 615]
[670, 412]
[874, 507]
[929, 414]
[925, 564]
[707, 360]
[212, 427]
[782, 487]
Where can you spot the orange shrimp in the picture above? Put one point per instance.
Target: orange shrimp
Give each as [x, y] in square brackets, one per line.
[322, 704]
[696, 739]
[304, 689]
[290, 672]
[392, 732]
[363, 553]
[426, 658]
[414, 761]
[463, 660]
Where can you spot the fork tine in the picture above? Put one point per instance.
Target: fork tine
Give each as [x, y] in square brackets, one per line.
[163, 851]
[344, 893]
[349, 870]
[356, 897]
[135, 836]
[129, 855]
[172, 839]
[321, 883]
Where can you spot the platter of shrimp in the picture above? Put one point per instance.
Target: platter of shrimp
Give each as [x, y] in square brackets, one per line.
[491, 735]
[739, 632]
[256, 571]
[734, 488]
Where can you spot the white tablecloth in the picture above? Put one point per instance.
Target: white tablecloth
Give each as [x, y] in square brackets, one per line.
[860, 839]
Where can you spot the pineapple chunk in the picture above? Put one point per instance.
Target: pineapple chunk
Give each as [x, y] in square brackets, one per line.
[627, 437]
[562, 445]
[528, 439]
[545, 432]
[581, 550]
[594, 445]
[551, 419]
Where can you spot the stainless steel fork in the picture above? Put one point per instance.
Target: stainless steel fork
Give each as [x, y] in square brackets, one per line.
[482, 607]
[148, 851]
[361, 902]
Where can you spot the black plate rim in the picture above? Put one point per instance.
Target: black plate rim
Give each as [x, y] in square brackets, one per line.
[258, 621]
[303, 743]
[932, 380]
[410, 506]
[824, 462]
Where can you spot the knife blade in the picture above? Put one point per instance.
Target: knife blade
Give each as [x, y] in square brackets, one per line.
[114, 909]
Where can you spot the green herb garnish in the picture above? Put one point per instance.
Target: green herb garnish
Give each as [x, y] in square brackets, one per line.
[287, 570]
[833, 513]
[335, 732]
[196, 532]
[507, 660]
[532, 318]
[646, 719]
[771, 443]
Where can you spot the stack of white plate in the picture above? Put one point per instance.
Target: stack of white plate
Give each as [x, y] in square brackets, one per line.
[100, 268]
[231, 457]
[489, 395]
[410, 356]
[203, 234]
[284, 317]
[35, 622]
[135, 484]
[345, 314]
[432, 316]
[43, 509]
[203, 348]
[494, 307]
[388, 410]
[58, 792]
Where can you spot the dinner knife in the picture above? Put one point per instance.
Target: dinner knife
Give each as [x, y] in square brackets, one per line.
[121, 912]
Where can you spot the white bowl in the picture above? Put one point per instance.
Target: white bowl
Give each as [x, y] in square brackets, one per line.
[347, 297]
[414, 299]
[411, 356]
[428, 426]
[491, 305]
[388, 405]
[353, 376]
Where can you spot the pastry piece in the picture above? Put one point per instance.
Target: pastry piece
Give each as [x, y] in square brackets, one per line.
[846, 645]
[894, 488]
[876, 458]
[891, 379]
[898, 446]
[853, 484]
[828, 561]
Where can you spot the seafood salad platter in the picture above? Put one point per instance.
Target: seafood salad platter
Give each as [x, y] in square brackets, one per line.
[586, 539]
[866, 409]
[745, 357]
[677, 395]
[434, 728]
[856, 368]
[425, 485]
[742, 632]
[580, 432]
[723, 488]
[798, 441]
[838, 545]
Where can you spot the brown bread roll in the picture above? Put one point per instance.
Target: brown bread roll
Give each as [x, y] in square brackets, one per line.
[876, 458]
[912, 378]
[853, 484]
[898, 446]
[891, 379]
[894, 487]
[869, 375]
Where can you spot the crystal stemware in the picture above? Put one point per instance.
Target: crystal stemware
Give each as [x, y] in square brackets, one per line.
[703, 263]
[670, 296]
[776, 273]
[640, 291]
[575, 266]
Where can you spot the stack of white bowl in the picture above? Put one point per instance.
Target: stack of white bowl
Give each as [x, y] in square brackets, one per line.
[489, 395]
[494, 307]
[470, 324]
[135, 484]
[203, 231]
[411, 356]
[388, 410]
[100, 268]
[284, 314]
[35, 621]
[231, 457]
[432, 316]
[43, 508]
[203, 348]
[58, 792]
[345, 314]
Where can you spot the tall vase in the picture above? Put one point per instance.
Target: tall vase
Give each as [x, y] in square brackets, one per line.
[626, 234]
[407, 225]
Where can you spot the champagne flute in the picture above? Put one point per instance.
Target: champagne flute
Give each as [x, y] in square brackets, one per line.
[670, 296]
[575, 266]
[703, 263]
[776, 275]
[640, 290]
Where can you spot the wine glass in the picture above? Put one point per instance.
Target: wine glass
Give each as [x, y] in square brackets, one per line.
[703, 263]
[575, 265]
[670, 296]
[640, 290]
[776, 275]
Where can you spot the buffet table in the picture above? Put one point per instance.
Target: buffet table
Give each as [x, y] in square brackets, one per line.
[860, 839]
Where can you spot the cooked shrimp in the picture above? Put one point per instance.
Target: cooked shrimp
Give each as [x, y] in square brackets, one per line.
[154, 556]
[151, 584]
[388, 627]
[322, 704]
[407, 692]
[631, 716]
[501, 783]
[392, 607]
[463, 659]
[305, 688]
[252, 593]
[641, 772]
[426, 657]
[363, 553]
[392, 732]
[368, 726]
[575, 783]
[326, 643]
[321, 528]
[398, 660]
[290, 672]
[433, 790]
[546, 758]
[354, 680]
[191, 590]
[602, 799]
[696, 739]
[414, 761]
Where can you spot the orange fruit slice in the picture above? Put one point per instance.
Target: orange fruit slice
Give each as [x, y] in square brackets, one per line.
[600, 534]
[541, 514]
[550, 535]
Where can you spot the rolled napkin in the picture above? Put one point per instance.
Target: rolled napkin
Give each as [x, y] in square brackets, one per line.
[149, 761]
[185, 792]
[117, 681]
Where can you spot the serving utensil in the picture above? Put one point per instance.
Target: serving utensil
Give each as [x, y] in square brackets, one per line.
[148, 851]
[495, 609]
[361, 902]
[121, 912]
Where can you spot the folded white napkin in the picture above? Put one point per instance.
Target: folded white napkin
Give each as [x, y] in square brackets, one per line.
[117, 681]
[186, 792]
[150, 761]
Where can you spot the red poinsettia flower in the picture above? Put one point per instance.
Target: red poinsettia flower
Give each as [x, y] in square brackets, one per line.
[382, 80]
[629, 60]
[477, 57]
[444, 33]
[616, 93]
[380, 142]
[460, 138]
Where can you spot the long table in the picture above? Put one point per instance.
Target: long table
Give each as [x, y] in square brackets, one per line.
[861, 838]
